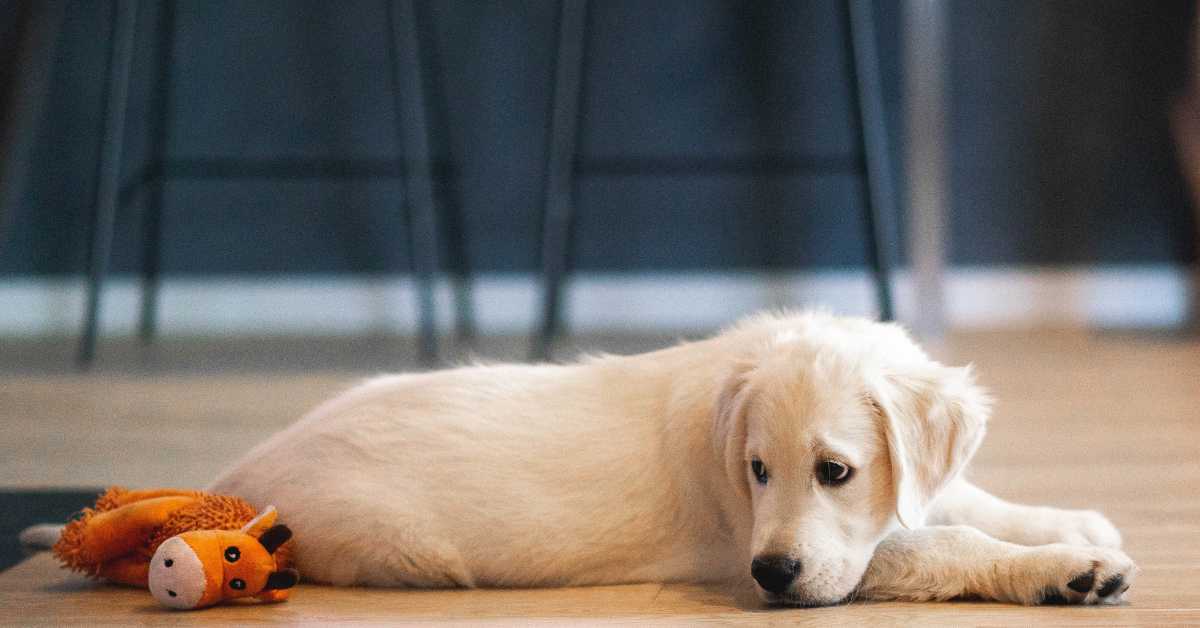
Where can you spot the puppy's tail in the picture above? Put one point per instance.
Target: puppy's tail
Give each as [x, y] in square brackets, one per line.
[40, 537]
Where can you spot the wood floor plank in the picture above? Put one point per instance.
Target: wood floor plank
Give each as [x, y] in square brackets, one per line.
[1082, 420]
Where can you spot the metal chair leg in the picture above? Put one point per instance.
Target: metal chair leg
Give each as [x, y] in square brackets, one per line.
[460, 271]
[152, 216]
[151, 263]
[19, 124]
[422, 222]
[104, 217]
[878, 188]
[559, 177]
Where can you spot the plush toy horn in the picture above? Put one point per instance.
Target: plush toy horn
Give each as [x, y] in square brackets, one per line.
[274, 537]
[256, 526]
[284, 579]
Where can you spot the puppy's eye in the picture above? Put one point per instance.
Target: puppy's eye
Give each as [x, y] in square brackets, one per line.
[759, 470]
[832, 473]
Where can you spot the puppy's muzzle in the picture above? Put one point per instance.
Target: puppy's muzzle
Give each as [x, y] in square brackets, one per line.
[775, 573]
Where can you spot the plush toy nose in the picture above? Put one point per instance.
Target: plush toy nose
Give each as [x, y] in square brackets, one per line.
[177, 575]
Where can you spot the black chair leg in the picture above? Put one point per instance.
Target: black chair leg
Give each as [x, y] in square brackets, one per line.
[422, 222]
[464, 307]
[878, 187]
[559, 177]
[151, 262]
[152, 218]
[120, 66]
[19, 124]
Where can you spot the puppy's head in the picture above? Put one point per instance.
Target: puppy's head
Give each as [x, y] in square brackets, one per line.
[833, 431]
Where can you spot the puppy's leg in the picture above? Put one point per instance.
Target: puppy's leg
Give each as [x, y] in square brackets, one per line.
[963, 503]
[945, 562]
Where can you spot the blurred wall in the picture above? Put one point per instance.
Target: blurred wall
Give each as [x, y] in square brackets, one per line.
[1060, 146]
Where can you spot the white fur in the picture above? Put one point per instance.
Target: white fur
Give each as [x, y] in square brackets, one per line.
[944, 562]
[626, 469]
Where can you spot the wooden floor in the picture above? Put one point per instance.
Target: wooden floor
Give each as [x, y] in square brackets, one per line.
[1095, 421]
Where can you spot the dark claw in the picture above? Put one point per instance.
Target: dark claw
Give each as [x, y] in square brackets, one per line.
[1083, 583]
[1111, 585]
[1052, 596]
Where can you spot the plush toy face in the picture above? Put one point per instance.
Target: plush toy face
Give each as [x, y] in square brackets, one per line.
[201, 568]
[178, 578]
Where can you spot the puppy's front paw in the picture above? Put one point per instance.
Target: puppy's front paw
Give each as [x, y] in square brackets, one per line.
[1044, 526]
[1088, 527]
[1067, 574]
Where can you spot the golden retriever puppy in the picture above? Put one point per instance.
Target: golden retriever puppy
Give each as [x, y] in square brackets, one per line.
[814, 458]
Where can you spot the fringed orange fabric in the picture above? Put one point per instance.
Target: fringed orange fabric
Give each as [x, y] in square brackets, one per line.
[120, 534]
[117, 496]
[210, 512]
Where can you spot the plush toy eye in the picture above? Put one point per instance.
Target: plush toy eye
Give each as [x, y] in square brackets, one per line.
[168, 562]
[831, 473]
[759, 470]
[232, 554]
[237, 583]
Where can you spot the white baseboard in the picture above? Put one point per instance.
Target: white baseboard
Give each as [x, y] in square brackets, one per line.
[1114, 296]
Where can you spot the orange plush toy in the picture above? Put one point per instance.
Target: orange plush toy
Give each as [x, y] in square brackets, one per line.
[205, 548]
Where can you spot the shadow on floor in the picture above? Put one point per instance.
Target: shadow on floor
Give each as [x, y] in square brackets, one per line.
[21, 509]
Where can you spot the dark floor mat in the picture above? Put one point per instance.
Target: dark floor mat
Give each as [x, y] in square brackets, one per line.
[21, 509]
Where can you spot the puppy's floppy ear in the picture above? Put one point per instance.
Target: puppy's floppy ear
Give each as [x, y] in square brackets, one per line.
[729, 420]
[934, 419]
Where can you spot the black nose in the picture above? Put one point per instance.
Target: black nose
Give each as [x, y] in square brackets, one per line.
[774, 573]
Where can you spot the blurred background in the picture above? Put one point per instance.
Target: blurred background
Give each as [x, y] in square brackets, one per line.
[268, 199]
